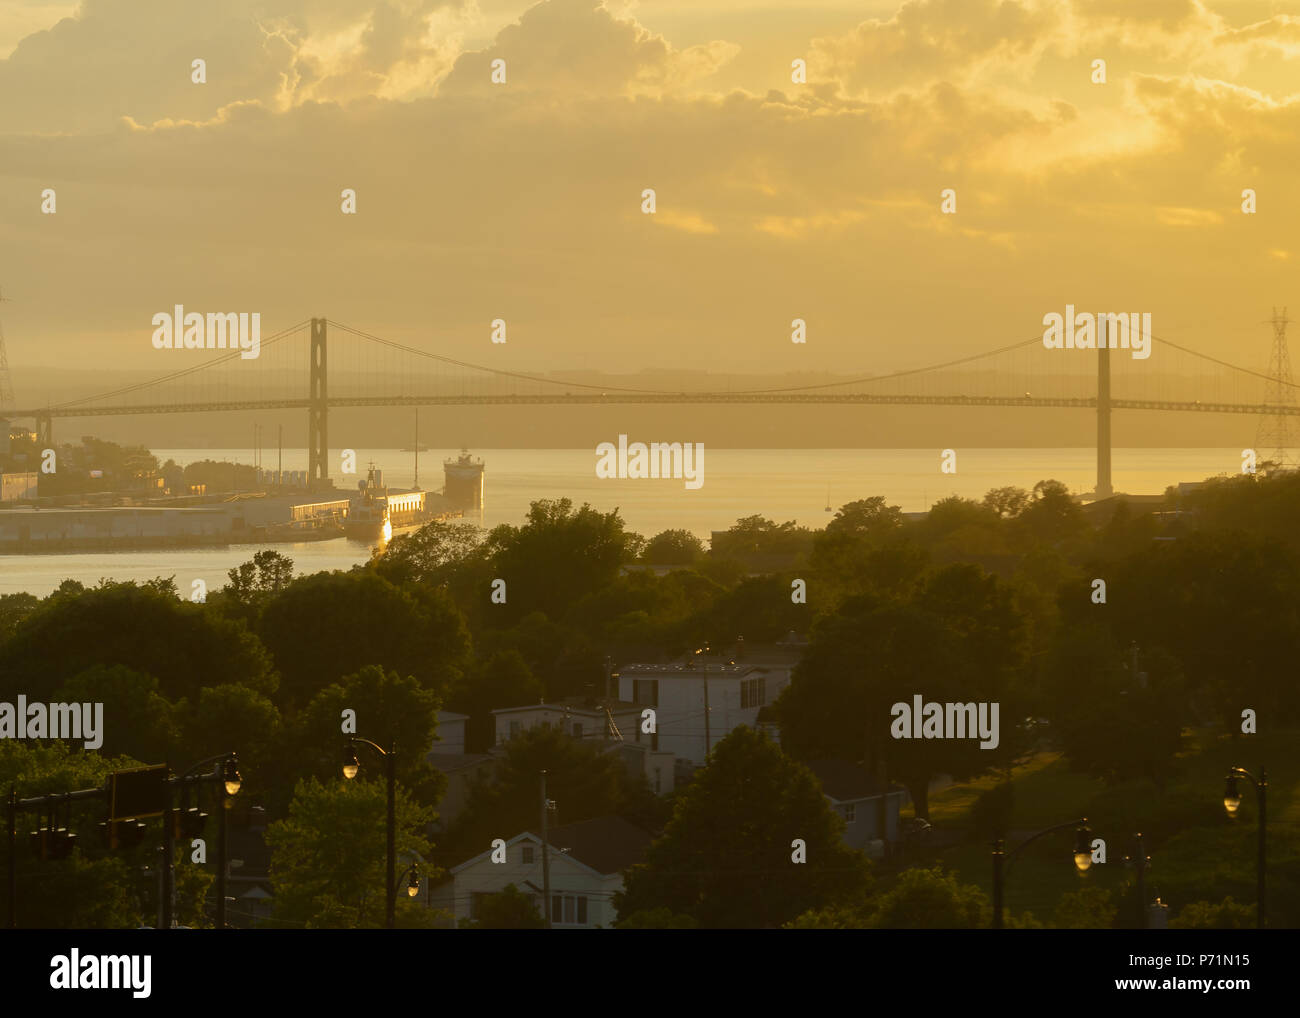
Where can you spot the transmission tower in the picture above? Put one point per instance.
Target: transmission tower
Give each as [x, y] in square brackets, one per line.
[6, 383]
[1276, 431]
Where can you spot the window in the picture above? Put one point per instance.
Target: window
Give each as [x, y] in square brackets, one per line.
[850, 814]
[753, 692]
[645, 691]
[659, 780]
[514, 729]
[528, 855]
[568, 909]
[476, 903]
[577, 729]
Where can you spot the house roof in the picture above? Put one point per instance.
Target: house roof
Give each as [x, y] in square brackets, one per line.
[845, 782]
[575, 705]
[448, 762]
[604, 845]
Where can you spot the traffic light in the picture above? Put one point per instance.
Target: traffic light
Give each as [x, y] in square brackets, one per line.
[124, 834]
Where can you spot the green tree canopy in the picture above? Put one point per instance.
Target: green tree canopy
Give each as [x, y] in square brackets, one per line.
[328, 625]
[726, 857]
[328, 855]
[185, 646]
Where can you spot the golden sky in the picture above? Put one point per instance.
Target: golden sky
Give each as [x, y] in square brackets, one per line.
[776, 200]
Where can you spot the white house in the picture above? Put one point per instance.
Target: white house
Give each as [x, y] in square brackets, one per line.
[587, 860]
[735, 688]
[868, 806]
[451, 733]
[578, 716]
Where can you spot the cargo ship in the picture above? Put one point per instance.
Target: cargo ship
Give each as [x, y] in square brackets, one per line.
[463, 482]
[378, 513]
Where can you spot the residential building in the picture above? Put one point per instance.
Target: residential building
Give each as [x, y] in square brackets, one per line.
[868, 806]
[582, 717]
[703, 697]
[586, 862]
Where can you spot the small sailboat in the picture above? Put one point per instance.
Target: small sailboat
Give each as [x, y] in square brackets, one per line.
[828, 499]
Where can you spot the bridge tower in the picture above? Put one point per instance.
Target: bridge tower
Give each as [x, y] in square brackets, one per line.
[1275, 432]
[6, 382]
[1104, 489]
[318, 412]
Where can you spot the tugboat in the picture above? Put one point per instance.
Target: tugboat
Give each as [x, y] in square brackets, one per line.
[368, 520]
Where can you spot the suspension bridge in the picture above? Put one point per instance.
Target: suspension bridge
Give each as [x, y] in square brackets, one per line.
[348, 367]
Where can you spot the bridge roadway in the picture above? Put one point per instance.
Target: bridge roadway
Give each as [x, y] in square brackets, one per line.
[682, 398]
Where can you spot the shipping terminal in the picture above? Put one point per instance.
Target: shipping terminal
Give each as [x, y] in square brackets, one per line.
[280, 509]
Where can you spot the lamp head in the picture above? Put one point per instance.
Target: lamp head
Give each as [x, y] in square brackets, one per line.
[1231, 795]
[230, 777]
[413, 885]
[350, 765]
[1083, 848]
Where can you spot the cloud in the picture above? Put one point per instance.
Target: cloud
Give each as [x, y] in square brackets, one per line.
[132, 58]
[579, 48]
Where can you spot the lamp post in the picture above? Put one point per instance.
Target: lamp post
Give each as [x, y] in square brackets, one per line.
[1139, 860]
[350, 769]
[1231, 803]
[1001, 861]
[227, 777]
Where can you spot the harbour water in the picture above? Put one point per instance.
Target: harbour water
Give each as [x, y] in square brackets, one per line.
[781, 484]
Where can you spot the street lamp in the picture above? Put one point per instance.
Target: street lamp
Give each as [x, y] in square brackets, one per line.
[1082, 858]
[228, 776]
[1139, 860]
[1231, 803]
[351, 767]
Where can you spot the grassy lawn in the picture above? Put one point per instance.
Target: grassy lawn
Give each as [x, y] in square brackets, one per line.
[1196, 852]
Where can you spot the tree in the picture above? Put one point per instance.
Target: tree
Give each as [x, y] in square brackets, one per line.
[931, 899]
[325, 626]
[672, 547]
[185, 646]
[328, 857]
[389, 709]
[726, 856]
[1207, 915]
[138, 721]
[1052, 515]
[429, 555]
[13, 609]
[755, 539]
[957, 639]
[867, 517]
[1088, 908]
[503, 680]
[508, 909]
[267, 573]
[556, 557]
[1007, 502]
[232, 717]
[758, 608]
